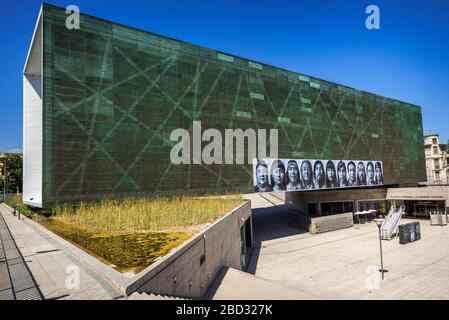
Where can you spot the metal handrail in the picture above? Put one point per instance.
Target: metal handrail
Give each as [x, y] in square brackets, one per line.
[391, 222]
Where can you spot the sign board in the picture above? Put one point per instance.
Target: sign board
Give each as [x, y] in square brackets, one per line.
[409, 232]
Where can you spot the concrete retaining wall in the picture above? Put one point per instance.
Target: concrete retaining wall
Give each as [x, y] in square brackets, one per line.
[320, 224]
[190, 269]
[331, 223]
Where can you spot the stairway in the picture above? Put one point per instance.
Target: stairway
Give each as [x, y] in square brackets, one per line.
[390, 225]
[151, 296]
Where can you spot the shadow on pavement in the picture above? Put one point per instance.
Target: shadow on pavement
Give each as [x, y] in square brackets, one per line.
[270, 223]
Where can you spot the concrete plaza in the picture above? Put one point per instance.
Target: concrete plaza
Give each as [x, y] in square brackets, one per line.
[286, 262]
[344, 264]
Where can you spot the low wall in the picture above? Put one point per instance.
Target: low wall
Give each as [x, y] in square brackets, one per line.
[300, 199]
[318, 224]
[331, 223]
[191, 268]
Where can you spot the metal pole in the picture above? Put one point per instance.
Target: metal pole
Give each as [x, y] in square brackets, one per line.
[6, 177]
[381, 258]
[4, 181]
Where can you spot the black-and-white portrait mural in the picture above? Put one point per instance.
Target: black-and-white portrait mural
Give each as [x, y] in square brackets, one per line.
[292, 176]
[275, 175]
[331, 175]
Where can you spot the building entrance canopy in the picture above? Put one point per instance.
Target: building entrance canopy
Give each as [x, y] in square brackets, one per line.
[423, 193]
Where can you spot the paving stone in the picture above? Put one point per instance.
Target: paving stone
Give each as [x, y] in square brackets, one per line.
[21, 283]
[45, 265]
[334, 265]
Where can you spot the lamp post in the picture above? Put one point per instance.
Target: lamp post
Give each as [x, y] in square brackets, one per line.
[379, 224]
[4, 180]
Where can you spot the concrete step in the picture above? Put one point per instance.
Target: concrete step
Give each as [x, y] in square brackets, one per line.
[233, 284]
[151, 296]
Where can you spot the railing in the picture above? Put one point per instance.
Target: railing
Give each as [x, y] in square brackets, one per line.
[390, 225]
[8, 195]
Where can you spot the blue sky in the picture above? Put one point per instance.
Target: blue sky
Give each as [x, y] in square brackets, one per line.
[407, 59]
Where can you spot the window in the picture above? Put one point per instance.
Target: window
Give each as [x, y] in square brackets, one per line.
[329, 208]
[381, 206]
[437, 176]
[311, 209]
[437, 164]
[434, 141]
[435, 150]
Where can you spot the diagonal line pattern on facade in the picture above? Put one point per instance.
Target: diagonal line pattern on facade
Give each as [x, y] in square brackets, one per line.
[117, 124]
[176, 105]
[212, 88]
[110, 87]
[231, 120]
[94, 116]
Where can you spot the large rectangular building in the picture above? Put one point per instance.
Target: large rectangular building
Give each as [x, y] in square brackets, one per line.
[101, 101]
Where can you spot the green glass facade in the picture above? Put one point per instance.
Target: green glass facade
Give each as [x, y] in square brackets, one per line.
[113, 94]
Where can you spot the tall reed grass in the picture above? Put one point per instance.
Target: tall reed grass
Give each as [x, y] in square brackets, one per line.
[137, 215]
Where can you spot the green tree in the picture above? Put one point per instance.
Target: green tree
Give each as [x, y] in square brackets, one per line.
[13, 163]
[383, 208]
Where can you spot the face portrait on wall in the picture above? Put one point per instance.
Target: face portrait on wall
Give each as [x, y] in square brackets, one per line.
[306, 175]
[262, 177]
[370, 174]
[341, 171]
[318, 175]
[361, 174]
[292, 175]
[352, 174]
[331, 175]
[278, 175]
[378, 173]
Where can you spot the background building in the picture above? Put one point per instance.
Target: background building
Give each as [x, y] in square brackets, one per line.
[100, 104]
[437, 160]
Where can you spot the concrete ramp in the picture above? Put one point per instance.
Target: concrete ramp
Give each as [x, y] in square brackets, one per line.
[233, 284]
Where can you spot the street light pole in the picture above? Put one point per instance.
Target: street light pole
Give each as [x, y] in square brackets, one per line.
[379, 224]
[4, 180]
[381, 255]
